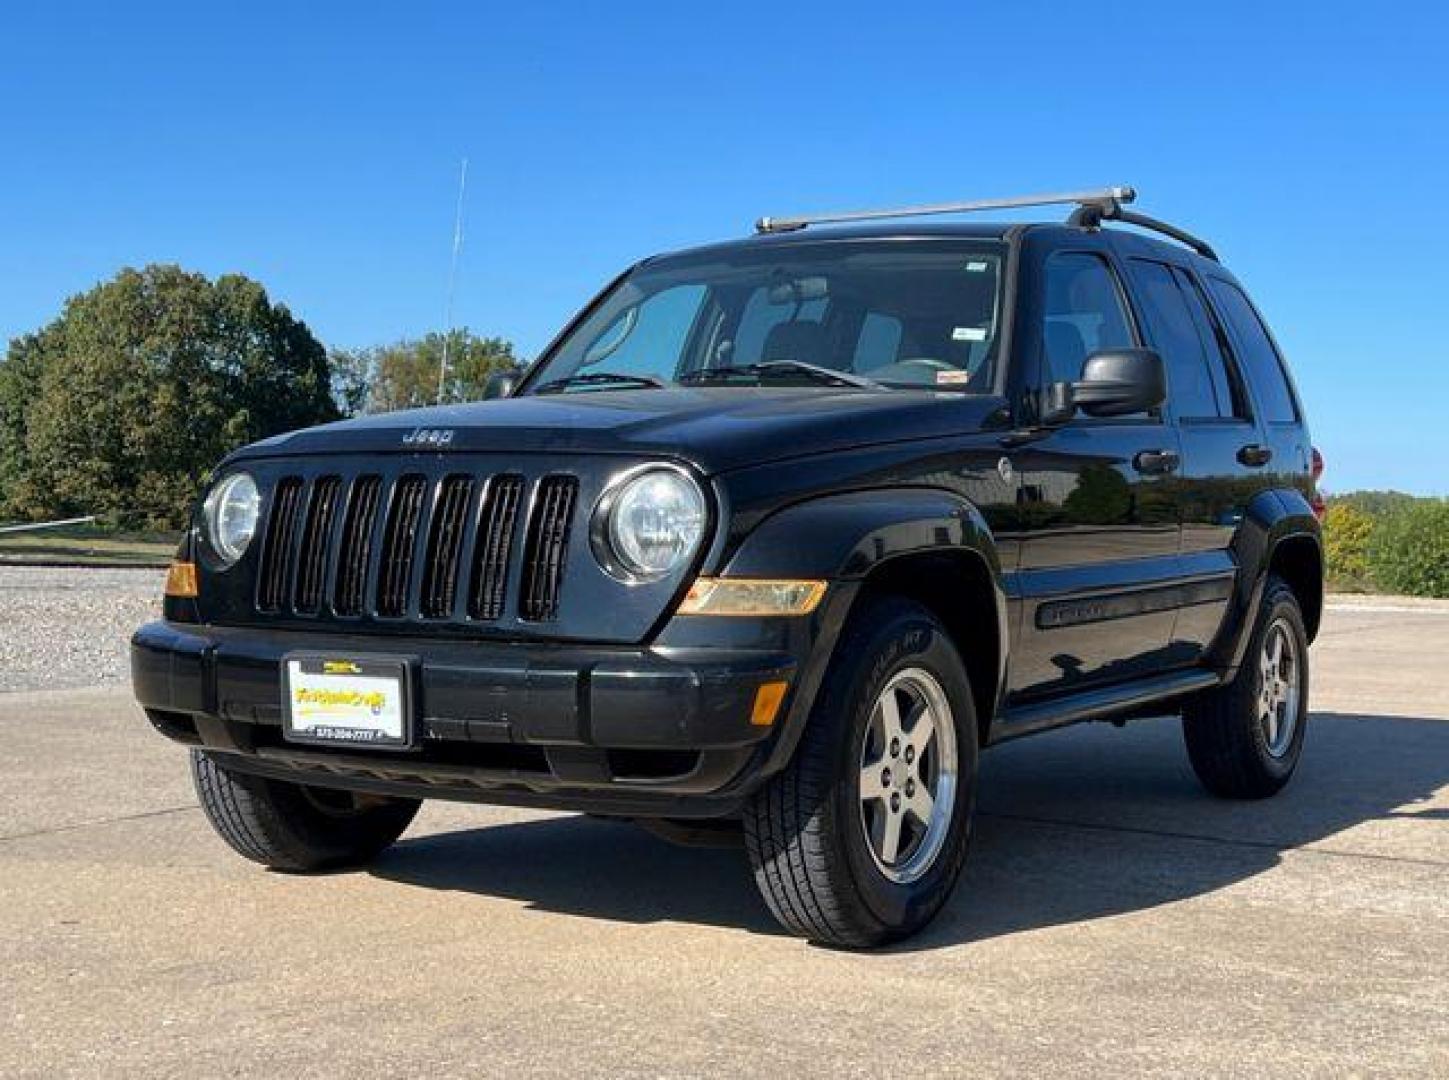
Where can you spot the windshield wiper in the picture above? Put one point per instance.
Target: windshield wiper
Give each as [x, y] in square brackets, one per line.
[599, 378]
[784, 367]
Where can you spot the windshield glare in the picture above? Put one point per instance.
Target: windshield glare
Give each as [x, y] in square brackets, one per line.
[926, 316]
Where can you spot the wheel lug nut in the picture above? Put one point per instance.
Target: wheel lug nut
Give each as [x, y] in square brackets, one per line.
[910, 788]
[895, 748]
[910, 754]
[885, 777]
[895, 801]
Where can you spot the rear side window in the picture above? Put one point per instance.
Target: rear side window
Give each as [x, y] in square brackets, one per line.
[1189, 378]
[1084, 313]
[1226, 380]
[1260, 360]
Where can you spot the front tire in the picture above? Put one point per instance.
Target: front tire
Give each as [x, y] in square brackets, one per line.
[859, 841]
[1244, 739]
[296, 827]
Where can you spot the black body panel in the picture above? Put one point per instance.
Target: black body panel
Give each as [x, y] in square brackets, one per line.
[714, 428]
[659, 723]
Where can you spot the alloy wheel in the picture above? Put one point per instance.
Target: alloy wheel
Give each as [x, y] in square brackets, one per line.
[908, 775]
[1279, 690]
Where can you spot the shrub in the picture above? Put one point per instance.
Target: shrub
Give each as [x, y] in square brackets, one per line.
[1408, 551]
[1346, 534]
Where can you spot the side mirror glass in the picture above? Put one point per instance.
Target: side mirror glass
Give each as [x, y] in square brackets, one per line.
[501, 384]
[1120, 382]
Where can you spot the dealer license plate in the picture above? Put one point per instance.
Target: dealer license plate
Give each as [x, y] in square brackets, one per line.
[331, 699]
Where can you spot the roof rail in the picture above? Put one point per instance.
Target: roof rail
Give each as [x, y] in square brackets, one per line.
[1092, 216]
[1102, 201]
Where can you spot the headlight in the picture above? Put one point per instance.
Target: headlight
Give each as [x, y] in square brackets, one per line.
[231, 512]
[649, 525]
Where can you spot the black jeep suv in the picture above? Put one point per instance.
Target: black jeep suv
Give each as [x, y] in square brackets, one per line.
[777, 534]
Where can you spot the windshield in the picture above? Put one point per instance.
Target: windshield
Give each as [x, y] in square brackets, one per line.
[865, 315]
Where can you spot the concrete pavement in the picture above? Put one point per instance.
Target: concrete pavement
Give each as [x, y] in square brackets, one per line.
[1112, 919]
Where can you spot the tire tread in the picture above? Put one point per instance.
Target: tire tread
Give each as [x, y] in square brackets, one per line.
[269, 821]
[1218, 725]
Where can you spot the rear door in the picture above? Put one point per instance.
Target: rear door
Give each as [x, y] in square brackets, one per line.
[1098, 506]
[1283, 449]
[1219, 476]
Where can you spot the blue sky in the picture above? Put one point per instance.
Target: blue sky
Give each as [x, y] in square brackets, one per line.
[316, 148]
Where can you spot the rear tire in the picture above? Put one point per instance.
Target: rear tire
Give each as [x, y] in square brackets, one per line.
[1244, 739]
[296, 827]
[861, 838]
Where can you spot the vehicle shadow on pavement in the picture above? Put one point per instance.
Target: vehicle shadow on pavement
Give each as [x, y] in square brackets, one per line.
[587, 866]
[1074, 826]
[1093, 821]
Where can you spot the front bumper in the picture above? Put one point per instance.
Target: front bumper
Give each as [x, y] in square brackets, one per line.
[664, 731]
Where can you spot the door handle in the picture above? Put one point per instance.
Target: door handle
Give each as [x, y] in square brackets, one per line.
[1255, 455]
[1156, 462]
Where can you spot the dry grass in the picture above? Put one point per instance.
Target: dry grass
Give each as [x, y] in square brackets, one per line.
[86, 547]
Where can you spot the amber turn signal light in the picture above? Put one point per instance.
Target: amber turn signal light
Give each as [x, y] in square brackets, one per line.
[768, 699]
[752, 597]
[181, 581]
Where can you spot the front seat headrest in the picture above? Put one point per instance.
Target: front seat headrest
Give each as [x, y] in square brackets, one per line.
[802, 341]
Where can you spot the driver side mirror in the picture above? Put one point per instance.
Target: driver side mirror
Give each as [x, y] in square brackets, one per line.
[1120, 382]
[1114, 382]
[501, 384]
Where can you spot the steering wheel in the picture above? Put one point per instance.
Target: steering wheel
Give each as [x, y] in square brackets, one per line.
[926, 362]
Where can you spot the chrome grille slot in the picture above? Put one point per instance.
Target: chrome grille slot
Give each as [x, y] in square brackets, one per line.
[399, 540]
[316, 545]
[355, 549]
[494, 547]
[279, 546]
[445, 546]
[546, 547]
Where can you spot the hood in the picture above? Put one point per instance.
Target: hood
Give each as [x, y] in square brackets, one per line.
[715, 428]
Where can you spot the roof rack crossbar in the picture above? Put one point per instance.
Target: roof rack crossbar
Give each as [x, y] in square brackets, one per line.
[1102, 201]
[1093, 216]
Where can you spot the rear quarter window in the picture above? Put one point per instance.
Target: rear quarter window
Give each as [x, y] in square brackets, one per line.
[1258, 357]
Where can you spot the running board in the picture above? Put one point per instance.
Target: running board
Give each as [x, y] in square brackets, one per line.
[1099, 704]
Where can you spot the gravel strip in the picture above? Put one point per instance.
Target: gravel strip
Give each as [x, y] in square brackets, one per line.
[63, 628]
[67, 628]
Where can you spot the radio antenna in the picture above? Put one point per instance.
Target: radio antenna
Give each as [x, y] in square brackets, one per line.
[452, 281]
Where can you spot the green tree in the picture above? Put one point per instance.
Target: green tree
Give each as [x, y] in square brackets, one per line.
[351, 379]
[20, 372]
[1346, 534]
[1376, 504]
[404, 375]
[122, 404]
[1409, 550]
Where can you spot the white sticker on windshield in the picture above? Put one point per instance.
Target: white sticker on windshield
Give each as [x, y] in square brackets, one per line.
[976, 267]
[969, 333]
[952, 378]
